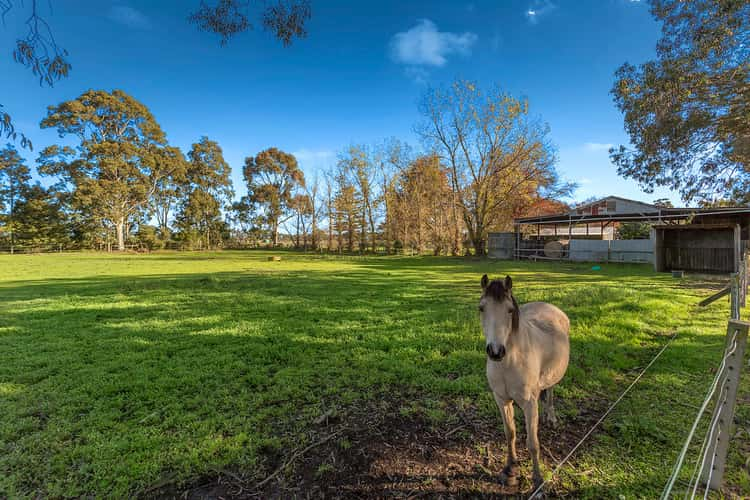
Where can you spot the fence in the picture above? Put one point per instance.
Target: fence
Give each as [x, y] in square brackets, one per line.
[710, 461]
[578, 250]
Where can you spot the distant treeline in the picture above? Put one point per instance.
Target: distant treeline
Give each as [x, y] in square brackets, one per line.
[122, 186]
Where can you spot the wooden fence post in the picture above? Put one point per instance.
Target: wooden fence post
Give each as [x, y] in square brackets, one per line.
[734, 296]
[718, 440]
[743, 282]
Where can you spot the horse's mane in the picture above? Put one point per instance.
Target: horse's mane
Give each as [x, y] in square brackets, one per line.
[496, 289]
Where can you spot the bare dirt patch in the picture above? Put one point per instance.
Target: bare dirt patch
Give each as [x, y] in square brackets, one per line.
[378, 451]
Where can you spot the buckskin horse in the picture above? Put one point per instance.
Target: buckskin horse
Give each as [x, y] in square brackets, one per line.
[527, 354]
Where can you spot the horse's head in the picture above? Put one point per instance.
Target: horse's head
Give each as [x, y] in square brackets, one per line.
[498, 312]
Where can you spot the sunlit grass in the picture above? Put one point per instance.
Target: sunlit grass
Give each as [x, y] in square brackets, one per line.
[121, 370]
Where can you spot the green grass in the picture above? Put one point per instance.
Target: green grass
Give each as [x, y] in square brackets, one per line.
[117, 372]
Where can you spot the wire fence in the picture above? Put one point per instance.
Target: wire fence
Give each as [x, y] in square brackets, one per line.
[691, 488]
[709, 459]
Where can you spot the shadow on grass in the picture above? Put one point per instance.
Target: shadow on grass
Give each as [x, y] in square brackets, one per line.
[123, 379]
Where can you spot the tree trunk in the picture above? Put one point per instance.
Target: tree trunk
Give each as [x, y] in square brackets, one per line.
[363, 233]
[296, 232]
[120, 229]
[387, 232]
[372, 229]
[313, 238]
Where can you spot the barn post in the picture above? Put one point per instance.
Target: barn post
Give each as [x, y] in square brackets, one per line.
[714, 460]
[518, 241]
[657, 235]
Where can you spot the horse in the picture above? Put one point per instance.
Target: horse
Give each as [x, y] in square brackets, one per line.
[527, 354]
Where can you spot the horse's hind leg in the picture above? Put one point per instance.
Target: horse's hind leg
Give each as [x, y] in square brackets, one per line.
[510, 472]
[548, 407]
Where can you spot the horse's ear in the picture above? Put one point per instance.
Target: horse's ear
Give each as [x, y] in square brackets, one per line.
[508, 283]
[485, 282]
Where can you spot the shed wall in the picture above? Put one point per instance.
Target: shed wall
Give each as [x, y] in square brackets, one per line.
[612, 251]
[501, 245]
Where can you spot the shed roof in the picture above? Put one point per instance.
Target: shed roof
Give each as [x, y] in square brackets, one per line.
[656, 214]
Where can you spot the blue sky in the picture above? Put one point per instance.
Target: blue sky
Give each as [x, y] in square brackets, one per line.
[355, 79]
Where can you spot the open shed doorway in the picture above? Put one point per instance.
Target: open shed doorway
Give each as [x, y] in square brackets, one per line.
[700, 248]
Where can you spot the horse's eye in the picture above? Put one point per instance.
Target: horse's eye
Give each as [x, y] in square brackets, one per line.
[481, 308]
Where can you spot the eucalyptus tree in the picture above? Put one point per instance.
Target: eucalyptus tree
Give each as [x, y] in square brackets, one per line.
[14, 184]
[207, 190]
[686, 113]
[272, 178]
[496, 153]
[119, 159]
[168, 193]
[40, 219]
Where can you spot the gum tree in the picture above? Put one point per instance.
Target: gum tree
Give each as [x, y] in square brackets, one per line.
[272, 178]
[14, 183]
[119, 159]
[686, 112]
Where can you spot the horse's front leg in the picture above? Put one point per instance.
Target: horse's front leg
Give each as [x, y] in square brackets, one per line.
[510, 472]
[531, 412]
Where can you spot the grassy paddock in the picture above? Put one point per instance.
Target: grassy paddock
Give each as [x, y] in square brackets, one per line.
[117, 372]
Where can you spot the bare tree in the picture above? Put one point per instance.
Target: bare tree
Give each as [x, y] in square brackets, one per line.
[317, 210]
[357, 164]
[496, 153]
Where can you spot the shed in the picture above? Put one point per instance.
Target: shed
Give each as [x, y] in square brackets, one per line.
[705, 248]
[707, 240]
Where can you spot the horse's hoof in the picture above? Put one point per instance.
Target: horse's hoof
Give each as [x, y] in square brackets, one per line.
[537, 480]
[509, 475]
[507, 480]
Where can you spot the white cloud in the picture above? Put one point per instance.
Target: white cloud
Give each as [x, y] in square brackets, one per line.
[537, 9]
[130, 17]
[424, 45]
[597, 146]
[584, 180]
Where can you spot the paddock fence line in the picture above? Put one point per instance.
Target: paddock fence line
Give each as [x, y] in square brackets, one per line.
[562, 462]
[710, 460]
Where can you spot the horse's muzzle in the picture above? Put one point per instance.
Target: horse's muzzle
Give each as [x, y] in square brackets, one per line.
[495, 355]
